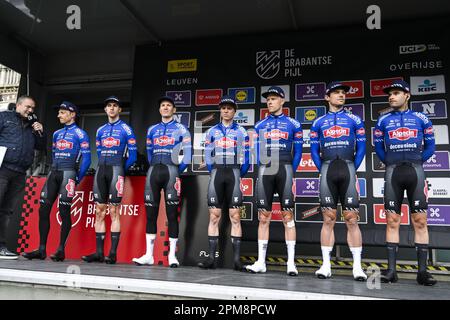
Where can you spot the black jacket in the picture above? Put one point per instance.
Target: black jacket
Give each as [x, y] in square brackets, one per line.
[17, 135]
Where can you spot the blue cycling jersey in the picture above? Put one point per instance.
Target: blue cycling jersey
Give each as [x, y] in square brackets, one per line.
[165, 141]
[114, 141]
[227, 146]
[69, 144]
[279, 134]
[338, 135]
[398, 137]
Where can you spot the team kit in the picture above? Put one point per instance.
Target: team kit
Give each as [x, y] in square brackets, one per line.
[403, 140]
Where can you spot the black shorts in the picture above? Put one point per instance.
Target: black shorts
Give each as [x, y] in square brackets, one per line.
[338, 183]
[409, 177]
[59, 183]
[280, 181]
[108, 184]
[224, 187]
[162, 176]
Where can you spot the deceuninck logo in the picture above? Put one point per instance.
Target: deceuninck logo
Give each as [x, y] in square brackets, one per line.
[268, 63]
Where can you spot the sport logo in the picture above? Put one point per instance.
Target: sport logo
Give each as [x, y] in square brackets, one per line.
[164, 141]
[149, 141]
[84, 145]
[403, 134]
[63, 144]
[267, 64]
[132, 141]
[110, 142]
[428, 130]
[70, 188]
[336, 132]
[361, 131]
[119, 186]
[225, 143]
[276, 135]
[177, 186]
[313, 134]
[299, 135]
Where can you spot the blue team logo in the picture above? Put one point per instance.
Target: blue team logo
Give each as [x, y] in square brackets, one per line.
[183, 118]
[306, 115]
[243, 95]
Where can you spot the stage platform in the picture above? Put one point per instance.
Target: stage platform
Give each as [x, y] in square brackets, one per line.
[100, 281]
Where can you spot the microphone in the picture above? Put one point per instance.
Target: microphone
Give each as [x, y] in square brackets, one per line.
[32, 118]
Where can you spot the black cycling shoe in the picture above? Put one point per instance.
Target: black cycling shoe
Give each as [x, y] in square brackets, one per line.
[93, 258]
[208, 264]
[111, 259]
[36, 254]
[238, 266]
[389, 276]
[425, 279]
[58, 256]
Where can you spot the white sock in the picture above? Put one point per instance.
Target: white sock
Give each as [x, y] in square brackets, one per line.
[262, 250]
[173, 246]
[356, 251]
[150, 241]
[326, 256]
[290, 244]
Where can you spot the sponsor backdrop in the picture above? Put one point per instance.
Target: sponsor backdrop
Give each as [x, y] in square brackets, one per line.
[196, 73]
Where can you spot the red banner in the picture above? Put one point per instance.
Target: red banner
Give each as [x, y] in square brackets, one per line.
[81, 240]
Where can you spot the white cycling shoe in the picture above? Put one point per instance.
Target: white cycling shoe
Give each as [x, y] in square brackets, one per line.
[359, 275]
[173, 262]
[257, 267]
[144, 260]
[323, 272]
[292, 270]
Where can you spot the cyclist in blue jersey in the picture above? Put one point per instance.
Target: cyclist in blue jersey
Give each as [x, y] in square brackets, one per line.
[278, 152]
[115, 140]
[404, 140]
[70, 146]
[227, 156]
[338, 146]
[165, 142]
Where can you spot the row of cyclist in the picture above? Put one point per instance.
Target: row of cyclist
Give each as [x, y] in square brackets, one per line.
[403, 141]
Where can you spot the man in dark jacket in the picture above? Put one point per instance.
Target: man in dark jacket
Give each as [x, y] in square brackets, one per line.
[20, 137]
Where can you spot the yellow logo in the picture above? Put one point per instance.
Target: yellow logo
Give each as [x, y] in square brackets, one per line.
[241, 95]
[243, 212]
[310, 115]
[182, 65]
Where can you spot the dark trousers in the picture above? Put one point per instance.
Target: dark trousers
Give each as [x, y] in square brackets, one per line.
[12, 184]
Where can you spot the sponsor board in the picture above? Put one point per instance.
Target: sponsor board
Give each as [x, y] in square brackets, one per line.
[439, 161]
[427, 85]
[306, 164]
[208, 97]
[246, 211]
[377, 86]
[379, 215]
[181, 98]
[433, 109]
[183, 117]
[207, 118]
[357, 109]
[439, 188]
[362, 166]
[246, 186]
[186, 65]
[378, 109]
[306, 187]
[441, 134]
[311, 213]
[306, 138]
[438, 215]
[199, 140]
[244, 95]
[310, 91]
[356, 89]
[245, 117]
[198, 164]
[307, 115]
[286, 89]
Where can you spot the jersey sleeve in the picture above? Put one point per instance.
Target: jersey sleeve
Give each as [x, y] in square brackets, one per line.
[298, 145]
[186, 144]
[378, 140]
[245, 152]
[360, 146]
[85, 152]
[315, 144]
[429, 144]
[98, 142]
[149, 144]
[209, 149]
[132, 148]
